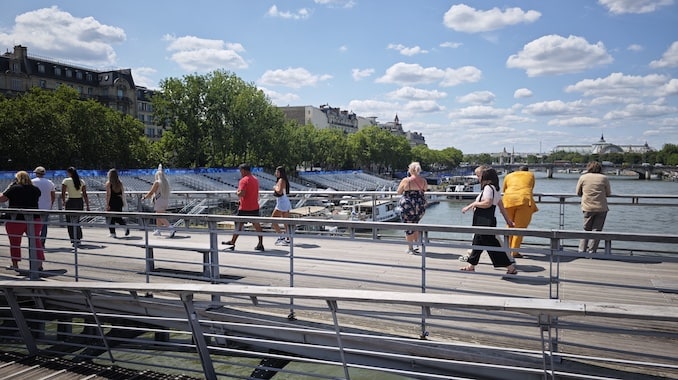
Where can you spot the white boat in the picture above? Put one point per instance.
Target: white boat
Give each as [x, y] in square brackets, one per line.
[380, 210]
[465, 187]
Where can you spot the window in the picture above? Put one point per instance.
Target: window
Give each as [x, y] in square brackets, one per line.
[17, 85]
[57, 70]
[80, 90]
[69, 73]
[43, 83]
[90, 91]
[78, 75]
[41, 68]
[89, 77]
[16, 67]
[121, 93]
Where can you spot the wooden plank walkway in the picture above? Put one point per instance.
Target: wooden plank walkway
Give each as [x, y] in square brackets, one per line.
[368, 265]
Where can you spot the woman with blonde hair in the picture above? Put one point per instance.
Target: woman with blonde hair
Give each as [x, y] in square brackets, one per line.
[24, 195]
[160, 191]
[412, 203]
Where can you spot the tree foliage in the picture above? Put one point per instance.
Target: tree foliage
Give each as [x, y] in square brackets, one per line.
[57, 129]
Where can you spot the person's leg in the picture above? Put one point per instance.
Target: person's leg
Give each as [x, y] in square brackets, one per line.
[474, 257]
[597, 223]
[276, 214]
[588, 225]
[43, 230]
[37, 243]
[14, 234]
[522, 216]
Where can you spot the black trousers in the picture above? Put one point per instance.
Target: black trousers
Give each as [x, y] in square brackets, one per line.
[499, 258]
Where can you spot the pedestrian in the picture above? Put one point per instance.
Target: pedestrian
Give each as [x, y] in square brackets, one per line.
[593, 187]
[115, 201]
[484, 208]
[248, 192]
[160, 192]
[74, 197]
[518, 199]
[281, 192]
[24, 195]
[47, 198]
[412, 203]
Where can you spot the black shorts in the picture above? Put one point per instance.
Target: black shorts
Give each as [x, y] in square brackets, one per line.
[248, 212]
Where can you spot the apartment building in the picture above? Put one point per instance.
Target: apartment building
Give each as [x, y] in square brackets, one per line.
[19, 72]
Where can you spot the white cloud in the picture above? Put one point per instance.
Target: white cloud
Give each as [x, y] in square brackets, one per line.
[618, 84]
[478, 112]
[199, 54]
[670, 88]
[143, 77]
[634, 6]
[555, 54]
[343, 48]
[301, 14]
[640, 111]
[463, 18]
[280, 99]
[554, 107]
[292, 77]
[522, 93]
[408, 51]
[635, 47]
[336, 3]
[415, 93]
[466, 74]
[412, 73]
[423, 106]
[54, 33]
[360, 74]
[578, 121]
[451, 45]
[478, 97]
[669, 58]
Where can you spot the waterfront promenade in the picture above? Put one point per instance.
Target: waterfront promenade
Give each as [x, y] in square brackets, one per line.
[362, 263]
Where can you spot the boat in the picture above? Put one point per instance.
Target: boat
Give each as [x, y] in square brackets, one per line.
[379, 210]
[465, 187]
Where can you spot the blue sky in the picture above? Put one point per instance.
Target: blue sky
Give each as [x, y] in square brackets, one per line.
[480, 76]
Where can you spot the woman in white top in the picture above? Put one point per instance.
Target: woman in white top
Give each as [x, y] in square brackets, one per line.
[160, 191]
[283, 205]
[484, 215]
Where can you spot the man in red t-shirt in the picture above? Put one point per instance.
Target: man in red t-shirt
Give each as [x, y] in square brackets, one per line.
[248, 192]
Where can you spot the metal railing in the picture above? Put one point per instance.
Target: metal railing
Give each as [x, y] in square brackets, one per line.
[100, 262]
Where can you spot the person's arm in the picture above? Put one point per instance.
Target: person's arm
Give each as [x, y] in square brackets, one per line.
[401, 186]
[502, 209]
[52, 197]
[84, 196]
[63, 195]
[3, 198]
[108, 196]
[151, 191]
[279, 186]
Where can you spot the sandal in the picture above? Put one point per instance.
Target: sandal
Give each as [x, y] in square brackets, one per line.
[468, 268]
[512, 271]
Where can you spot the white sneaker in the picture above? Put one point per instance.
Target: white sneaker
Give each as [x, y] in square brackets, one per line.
[172, 232]
[279, 240]
[156, 233]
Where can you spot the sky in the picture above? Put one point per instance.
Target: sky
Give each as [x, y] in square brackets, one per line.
[480, 76]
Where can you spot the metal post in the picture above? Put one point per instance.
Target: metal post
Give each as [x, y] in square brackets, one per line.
[20, 321]
[198, 337]
[332, 304]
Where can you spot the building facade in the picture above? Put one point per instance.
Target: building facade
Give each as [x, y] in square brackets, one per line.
[19, 72]
[603, 147]
[348, 122]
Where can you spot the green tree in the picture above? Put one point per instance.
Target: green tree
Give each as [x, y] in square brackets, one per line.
[217, 119]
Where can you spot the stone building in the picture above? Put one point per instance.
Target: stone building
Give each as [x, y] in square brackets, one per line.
[19, 72]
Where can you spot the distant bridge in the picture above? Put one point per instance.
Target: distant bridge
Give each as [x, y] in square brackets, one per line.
[644, 171]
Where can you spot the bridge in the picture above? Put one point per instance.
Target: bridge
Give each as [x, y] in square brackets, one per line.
[350, 302]
[643, 171]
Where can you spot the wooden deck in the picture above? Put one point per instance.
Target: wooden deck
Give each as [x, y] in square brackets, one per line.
[384, 266]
